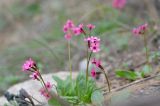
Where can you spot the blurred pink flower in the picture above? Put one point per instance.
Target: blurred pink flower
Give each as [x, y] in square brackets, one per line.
[96, 62]
[93, 72]
[77, 31]
[119, 4]
[95, 47]
[140, 29]
[70, 23]
[28, 65]
[70, 29]
[91, 26]
[81, 26]
[93, 43]
[35, 75]
[45, 93]
[48, 85]
[68, 36]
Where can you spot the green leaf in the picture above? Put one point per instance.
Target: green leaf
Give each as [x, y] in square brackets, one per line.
[97, 98]
[54, 102]
[75, 91]
[60, 85]
[58, 80]
[127, 74]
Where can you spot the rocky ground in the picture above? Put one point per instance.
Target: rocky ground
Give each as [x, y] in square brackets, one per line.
[143, 93]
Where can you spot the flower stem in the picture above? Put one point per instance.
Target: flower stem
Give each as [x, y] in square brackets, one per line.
[69, 57]
[107, 79]
[42, 81]
[88, 60]
[146, 49]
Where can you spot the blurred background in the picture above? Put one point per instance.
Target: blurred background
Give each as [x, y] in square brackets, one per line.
[33, 28]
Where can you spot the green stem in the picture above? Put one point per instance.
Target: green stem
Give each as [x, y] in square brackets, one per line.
[42, 81]
[69, 57]
[87, 70]
[146, 49]
[107, 79]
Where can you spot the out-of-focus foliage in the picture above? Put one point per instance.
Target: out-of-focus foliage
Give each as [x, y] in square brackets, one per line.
[77, 92]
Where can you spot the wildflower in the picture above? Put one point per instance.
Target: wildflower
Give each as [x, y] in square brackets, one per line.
[28, 65]
[77, 31]
[70, 23]
[93, 43]
[95, 47]
[96, 62]
[93, 72]
[119, 4]
[35, 75]
[48, 85]
[68, 29]
[45, 93]
[140, 29]
[90, 26]
[81, 26]
[67, 36]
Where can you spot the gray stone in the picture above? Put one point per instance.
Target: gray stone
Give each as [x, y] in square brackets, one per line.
[83, 64]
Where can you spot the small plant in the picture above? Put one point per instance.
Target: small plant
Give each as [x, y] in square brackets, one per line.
[82, 90]
[133, 75]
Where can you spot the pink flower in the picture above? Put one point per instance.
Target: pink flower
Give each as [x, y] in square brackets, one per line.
[70, 29]
[140, 29]
[48, 85]
[81, 26]
[90, 26]
[70, 23]
[77, 31]
[65, 28]
[93, 72]
[95, 47]
[93, 43]
[96, 62]
[35, 75]
[68, 36]
[119, 4]
[28, 65]
[45, 93]
[92, 39]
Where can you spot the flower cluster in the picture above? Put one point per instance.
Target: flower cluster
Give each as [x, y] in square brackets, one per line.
[140, 29]
[30, 66]
[119, 4]
[91, 26]
[45, 91]
[70, 29]
[98, 64]
[93, 43]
